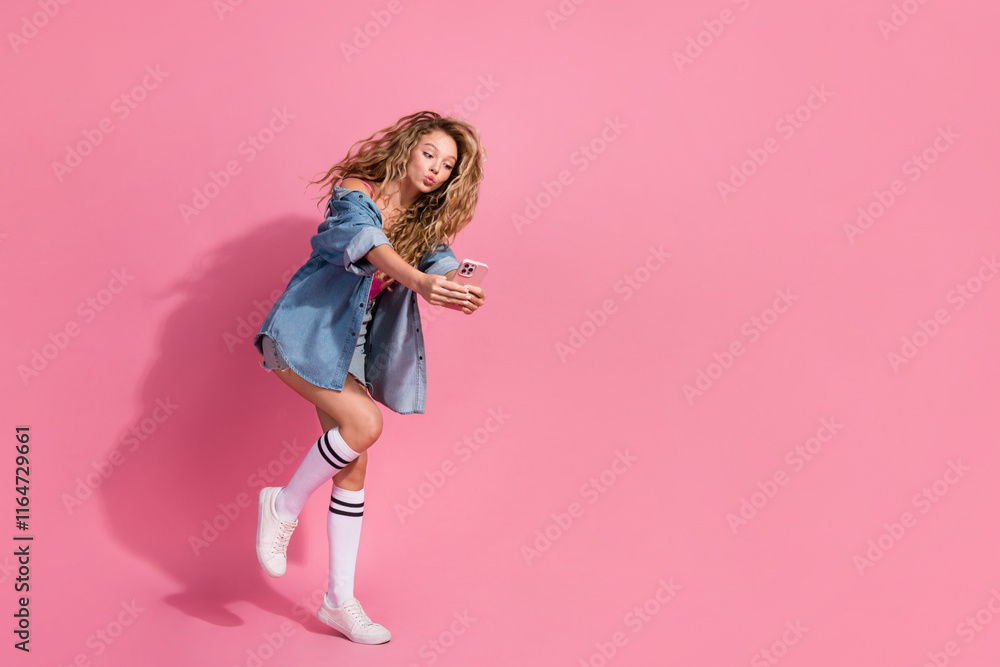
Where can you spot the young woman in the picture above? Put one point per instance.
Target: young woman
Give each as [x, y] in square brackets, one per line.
[348, 324]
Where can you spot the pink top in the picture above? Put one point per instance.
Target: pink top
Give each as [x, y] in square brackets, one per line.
[369, 187]
[377, 284]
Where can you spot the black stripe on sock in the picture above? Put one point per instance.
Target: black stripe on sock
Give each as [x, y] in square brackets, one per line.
[334, 451]
[343, 513]
[319, 446]
[328, 450]
[341, 502]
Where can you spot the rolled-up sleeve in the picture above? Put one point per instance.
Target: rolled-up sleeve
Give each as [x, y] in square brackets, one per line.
[439, 261]
[345, 237]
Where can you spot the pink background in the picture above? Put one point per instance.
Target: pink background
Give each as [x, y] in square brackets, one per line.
[786, 579]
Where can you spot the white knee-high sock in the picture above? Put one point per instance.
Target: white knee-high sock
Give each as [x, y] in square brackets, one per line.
[322, 461]
[343, 527]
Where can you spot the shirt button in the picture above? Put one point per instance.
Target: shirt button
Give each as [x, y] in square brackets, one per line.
[352, 333]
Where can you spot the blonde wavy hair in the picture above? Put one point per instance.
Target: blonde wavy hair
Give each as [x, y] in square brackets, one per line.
[435, 217]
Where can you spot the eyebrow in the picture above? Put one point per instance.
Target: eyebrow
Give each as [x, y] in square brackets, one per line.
[427, 143]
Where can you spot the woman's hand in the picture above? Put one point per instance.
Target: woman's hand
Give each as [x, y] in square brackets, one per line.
[478, 298]
[439, 291]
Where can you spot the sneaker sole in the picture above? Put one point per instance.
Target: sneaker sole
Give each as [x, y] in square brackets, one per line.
[326, 620]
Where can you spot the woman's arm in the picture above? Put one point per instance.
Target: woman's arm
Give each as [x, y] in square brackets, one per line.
[386, 259]
[436, 290]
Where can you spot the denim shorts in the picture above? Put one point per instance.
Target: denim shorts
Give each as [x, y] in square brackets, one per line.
[274, 361]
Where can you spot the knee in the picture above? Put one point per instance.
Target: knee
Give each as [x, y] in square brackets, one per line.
[364, 431]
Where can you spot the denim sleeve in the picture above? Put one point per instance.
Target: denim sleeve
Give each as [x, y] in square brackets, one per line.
[345, 237]
[439, 261]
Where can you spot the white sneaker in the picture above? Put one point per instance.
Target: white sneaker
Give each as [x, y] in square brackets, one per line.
[352, 621]
[273, 533]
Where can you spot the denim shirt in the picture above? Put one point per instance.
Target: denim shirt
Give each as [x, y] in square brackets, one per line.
[316, 321]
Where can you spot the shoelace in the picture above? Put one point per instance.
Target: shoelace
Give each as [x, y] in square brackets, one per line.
[357, 613]
[281, 539]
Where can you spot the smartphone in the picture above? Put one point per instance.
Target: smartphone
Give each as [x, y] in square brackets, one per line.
[470, 272]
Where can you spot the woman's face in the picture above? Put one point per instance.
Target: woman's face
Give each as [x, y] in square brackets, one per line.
[432, 160]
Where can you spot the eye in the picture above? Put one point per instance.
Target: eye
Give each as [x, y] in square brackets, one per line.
[429, 156]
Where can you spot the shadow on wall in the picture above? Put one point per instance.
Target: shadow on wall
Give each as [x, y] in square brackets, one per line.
[209, 419]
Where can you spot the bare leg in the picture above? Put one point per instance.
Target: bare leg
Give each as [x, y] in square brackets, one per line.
[352, 408]
[352, 476]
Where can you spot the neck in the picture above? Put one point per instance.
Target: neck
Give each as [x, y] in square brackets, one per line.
[401, 194]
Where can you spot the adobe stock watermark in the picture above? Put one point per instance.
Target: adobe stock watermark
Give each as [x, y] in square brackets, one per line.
[914, 167]
[121, 107]
[779, 647]
[786, 126]
[269, 645]
[464, 449]
[364, 35]
[224, 7]
[471, 102]
[627, 286]
[129, 442]
[249, 148]
[797, 457]
[752, 329]
[211, 529]
[562, 12]
[31, 24]
[59, 340]
[432, 649]
[928, 329]
[581, 158]
[247, 326]
[7, 568]
[101, 639]
[899, 17]
[635, 619]
[592, 490]
[712, 30]
[306, 607]
[968, 629]
[924, 500]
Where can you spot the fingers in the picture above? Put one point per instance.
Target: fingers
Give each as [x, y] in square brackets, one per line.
[460, 295]
[466, 297]
[449, 300]
[451, 285]
[451, 292]
[472, 305]
[475, 301]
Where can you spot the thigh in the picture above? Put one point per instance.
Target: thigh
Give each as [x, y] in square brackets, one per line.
[351, 408]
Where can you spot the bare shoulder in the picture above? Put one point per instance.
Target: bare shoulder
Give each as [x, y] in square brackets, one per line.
[356, 184]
